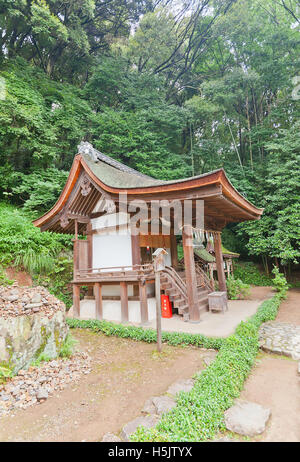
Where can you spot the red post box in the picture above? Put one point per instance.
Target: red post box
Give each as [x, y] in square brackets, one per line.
[166, 307]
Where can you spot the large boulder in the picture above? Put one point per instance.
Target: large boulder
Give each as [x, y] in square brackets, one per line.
[246, 418]
[26, 333]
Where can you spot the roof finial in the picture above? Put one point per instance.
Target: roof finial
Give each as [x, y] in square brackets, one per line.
[87, 148]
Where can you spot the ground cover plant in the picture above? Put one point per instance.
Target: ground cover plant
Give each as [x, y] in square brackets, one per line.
[146, 335]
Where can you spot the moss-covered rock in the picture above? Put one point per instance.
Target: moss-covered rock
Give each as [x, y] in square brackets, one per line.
[24, 338]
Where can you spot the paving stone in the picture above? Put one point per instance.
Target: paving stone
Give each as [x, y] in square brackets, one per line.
[181, 385]
[163, 404]
[246, 418]
[280, 338]
[149, 407]
[148, 421]
[110, 438]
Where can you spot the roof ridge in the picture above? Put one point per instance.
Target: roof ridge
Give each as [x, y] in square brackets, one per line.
[87, 148]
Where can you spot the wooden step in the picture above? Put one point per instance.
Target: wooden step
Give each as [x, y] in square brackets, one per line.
[180, 302]
[202, 298]
[183, 309]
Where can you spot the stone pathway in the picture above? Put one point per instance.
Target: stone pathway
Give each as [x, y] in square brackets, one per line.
[281, 338]
[247, 418]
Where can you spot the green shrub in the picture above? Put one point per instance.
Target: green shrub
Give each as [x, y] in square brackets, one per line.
[24, 245]
[280, 282]
[146, 335]
[199, 414]
[40, 359]
[58, 279]
[236, 289]
[68, 347]
[4, 281]
[5, 373]
[248, 273]
[46, 256]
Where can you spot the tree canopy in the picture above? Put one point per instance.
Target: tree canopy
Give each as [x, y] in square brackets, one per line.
[171, 88]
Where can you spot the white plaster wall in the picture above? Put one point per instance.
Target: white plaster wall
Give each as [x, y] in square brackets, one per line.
[112, 310]
[111, 250]
[114, 290]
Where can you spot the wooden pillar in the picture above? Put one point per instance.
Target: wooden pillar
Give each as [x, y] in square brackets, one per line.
[98, 301]
[219, 261]
[90, 255]
[190, 273]
[124, 301]
[143, 302]
[75, 257]
[136, 257]
[174, 254]
[76, 301]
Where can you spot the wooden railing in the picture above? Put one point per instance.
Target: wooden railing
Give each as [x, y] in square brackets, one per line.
[115, 273]
[203, 279]
[175, 287]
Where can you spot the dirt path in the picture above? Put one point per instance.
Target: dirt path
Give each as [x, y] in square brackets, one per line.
[125, 374]
[275, 383]
[289, 310]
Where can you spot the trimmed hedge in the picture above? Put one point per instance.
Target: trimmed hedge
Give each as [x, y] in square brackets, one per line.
[199, 414]
[146, 335]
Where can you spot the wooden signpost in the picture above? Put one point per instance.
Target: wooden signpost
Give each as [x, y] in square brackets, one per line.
[159, 265]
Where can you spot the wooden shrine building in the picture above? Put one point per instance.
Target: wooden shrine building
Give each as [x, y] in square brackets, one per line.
[115, 263]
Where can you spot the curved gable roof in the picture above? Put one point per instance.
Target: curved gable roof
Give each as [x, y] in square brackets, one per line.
[113, 177]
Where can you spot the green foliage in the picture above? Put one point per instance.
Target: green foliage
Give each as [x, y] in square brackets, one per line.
[5, 373]
[42, 357]
[24, 245]
[66, 351]
[68, 347]
[199, 414]
[280, 282]
[39, 190]
[4, 281]
[249, 273]
[145, 335]
[237, 289]
[170, 95]
[58, 278]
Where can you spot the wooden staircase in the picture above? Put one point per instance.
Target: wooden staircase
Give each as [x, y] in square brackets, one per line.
[173, 284]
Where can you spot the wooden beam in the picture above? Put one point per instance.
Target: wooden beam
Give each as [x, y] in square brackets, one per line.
[76, 301]
[124, 302]
[219, 262]
[190, 273]
[143, 302]
[98, 301]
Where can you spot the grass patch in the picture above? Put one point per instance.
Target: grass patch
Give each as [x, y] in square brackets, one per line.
[146, 335]
[68, 347]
